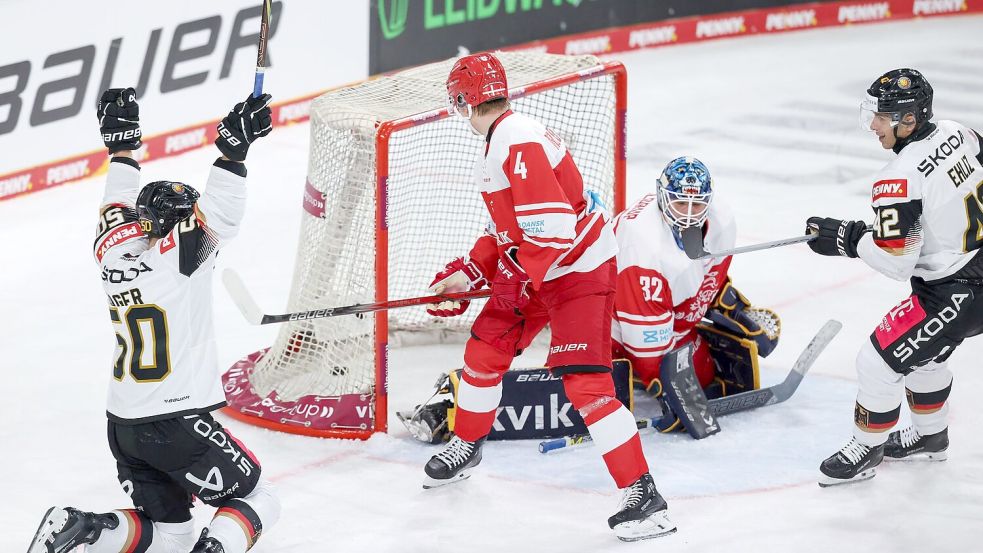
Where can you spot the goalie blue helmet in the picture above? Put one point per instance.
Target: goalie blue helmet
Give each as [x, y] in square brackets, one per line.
[684, 191]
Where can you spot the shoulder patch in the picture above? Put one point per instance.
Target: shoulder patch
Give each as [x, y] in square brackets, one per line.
[120, 234]
[894, 188]
[167, 243]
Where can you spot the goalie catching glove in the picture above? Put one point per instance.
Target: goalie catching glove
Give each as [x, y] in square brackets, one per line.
[460, 275]
[733, 312]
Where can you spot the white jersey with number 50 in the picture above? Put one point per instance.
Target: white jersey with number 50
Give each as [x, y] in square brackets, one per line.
[160, 297]
[928, 218]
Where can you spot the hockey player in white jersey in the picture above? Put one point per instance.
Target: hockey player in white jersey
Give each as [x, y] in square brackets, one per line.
[156, 251]
[663, 296]
[928, 227]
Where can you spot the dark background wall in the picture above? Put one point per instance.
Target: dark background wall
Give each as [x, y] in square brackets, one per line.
[411, 32]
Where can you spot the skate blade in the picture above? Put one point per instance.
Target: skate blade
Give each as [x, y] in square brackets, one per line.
[826, 481]
[921, 456]
[430, 483]
[53, 522]
[655, 526]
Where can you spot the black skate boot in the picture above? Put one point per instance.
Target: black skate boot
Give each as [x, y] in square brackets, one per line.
[909, 445]
[64, 528]
[855, 462]
[207, 545]
[643, 514]
[453, 464]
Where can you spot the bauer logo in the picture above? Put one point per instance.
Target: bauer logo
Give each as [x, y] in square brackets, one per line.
[15, 185]
[932, 7]
[889, 189]
[644, 38]
[185, 140]
[592, 45]
[864, 12]
[68, 171]
[783, 21]
[713, 28]
[314, 201]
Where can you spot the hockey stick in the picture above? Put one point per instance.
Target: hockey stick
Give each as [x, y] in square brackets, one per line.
[585, 439]
[703, 254]
[264, 38]
[745, 400]
[252, 312]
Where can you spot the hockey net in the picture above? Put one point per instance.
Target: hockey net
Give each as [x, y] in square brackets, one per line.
[389, 200]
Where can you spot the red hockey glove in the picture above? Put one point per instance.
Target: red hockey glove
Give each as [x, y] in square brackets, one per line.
[510, 286]
[460, 275]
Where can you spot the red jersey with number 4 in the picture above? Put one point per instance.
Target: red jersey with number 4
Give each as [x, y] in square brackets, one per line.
[535, 196]
[662, 294]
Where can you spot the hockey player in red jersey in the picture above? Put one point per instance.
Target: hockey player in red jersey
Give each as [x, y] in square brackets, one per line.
[549, 259]
[663, 296]
[156, 248]
[928, 228]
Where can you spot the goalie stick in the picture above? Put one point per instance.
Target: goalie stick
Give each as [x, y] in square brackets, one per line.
[252, 312]
[738, 402]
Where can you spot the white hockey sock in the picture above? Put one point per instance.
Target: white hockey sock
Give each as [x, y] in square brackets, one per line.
[138, 534]
[240, 522]
[878, 399]
[927, 390]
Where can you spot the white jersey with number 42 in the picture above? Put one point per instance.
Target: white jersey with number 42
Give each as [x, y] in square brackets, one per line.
[928, 219]
[160, 298]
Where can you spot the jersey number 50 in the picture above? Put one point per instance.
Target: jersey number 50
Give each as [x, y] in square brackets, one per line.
[145, 330]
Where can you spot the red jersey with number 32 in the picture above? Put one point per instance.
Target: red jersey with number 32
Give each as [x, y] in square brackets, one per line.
[535, 196]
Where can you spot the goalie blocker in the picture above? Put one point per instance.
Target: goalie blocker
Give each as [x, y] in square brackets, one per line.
[534, 404]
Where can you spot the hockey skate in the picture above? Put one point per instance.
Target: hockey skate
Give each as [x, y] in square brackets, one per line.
[453, 464]
[909, 445]
[63, 529]
[643, 513]
[207, 545]
[854, 462]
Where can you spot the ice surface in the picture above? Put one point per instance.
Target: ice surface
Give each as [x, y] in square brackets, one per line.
[774, 117]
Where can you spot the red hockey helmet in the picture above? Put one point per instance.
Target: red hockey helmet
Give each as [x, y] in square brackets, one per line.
[474, 80]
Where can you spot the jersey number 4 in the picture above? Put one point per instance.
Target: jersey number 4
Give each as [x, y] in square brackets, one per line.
[143, 345]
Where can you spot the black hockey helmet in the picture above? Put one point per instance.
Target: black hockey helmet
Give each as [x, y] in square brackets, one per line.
[162, 204]
[898, 93]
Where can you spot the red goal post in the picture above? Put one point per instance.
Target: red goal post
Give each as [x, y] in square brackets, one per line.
[388, 201]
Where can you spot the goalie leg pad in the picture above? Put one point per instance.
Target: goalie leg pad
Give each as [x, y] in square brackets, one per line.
[735, 357]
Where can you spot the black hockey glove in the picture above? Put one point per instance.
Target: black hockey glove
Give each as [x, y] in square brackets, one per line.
[834, 236]
[119, 119]
[246, 122]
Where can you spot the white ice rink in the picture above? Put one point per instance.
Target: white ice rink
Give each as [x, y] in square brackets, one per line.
[775, 119]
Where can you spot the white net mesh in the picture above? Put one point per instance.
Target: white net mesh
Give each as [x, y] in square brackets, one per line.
[433, 209]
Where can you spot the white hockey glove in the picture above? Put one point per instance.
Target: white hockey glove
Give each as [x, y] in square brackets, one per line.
[460, 275]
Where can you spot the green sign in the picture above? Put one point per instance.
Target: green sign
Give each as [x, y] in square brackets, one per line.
[394, 23]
